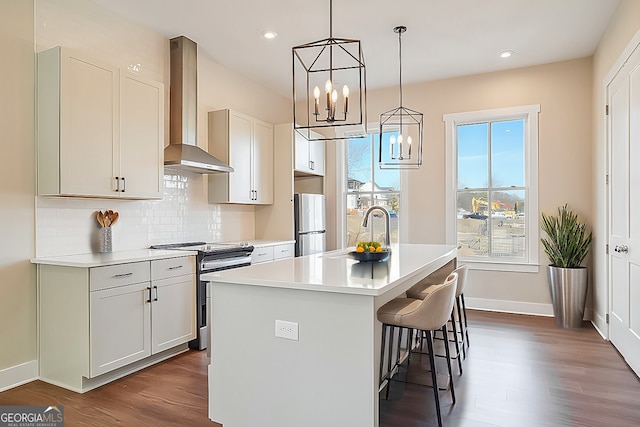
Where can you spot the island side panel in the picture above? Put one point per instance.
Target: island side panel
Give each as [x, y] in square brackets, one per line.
[327, 377]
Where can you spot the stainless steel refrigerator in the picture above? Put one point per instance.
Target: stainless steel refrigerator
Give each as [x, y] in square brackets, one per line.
[309, 218]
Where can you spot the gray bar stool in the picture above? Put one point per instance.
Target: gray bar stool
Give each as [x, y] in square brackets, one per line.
[429, 314]
[422, 289]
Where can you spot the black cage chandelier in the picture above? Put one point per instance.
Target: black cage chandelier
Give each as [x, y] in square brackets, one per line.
[329, 88]
[400, 131]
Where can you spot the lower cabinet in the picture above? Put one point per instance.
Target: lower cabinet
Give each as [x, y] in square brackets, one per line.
[120, 331]
[98, 324]
[265, 253]
[172, 312]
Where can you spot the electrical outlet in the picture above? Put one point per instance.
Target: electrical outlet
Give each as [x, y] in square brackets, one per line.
[287, 330]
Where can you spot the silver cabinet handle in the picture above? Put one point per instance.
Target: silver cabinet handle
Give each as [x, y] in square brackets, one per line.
[117, 184]
[156, 289]
[149, 289]
[621, 249]
[120, 276]
[176, 267]
[124, 185]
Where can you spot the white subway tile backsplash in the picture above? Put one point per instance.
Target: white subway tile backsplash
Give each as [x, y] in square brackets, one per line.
[66, 225]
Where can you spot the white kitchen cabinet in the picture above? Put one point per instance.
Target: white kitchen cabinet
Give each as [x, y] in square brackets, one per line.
[309, 156]
[286, 250]
[173, 308]
[100, 129]
[141, 138]
[100, 323]
[271, 252]
[246, 144]
[120, 331]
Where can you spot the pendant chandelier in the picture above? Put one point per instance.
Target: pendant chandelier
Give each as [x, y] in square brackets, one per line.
[329, 88]
[400, 131]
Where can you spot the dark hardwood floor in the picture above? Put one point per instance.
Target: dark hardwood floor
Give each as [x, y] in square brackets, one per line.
[520, 371]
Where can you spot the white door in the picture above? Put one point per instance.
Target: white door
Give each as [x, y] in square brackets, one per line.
[120, 327]
[240, 137]
[142, 137]
[624, 225]
[262, 156]
[88, 129]
[173, 316]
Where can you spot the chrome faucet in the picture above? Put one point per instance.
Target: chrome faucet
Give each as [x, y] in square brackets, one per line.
[387, 220]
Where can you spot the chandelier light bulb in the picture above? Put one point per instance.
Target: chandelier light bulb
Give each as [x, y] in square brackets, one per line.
[345, 94]
[316, 99]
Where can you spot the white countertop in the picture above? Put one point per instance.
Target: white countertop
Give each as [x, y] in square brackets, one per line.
[111, 258]
[336, 272]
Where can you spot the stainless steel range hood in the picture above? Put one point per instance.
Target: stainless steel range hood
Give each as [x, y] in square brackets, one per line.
[183, 152]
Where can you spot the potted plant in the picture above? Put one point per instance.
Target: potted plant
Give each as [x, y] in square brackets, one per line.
[566, 245]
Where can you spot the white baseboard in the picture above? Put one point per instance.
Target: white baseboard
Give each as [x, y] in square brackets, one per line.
[17, 375]
[505, 306]
[600, 324]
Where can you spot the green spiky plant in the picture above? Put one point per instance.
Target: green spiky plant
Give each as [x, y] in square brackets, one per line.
[568, 242]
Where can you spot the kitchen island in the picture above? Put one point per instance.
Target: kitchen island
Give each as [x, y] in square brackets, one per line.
[326, 372]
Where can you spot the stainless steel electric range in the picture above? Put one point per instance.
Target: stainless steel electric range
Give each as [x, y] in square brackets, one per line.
[211, 257]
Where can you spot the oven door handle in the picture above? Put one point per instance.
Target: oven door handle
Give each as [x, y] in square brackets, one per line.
[223, 262]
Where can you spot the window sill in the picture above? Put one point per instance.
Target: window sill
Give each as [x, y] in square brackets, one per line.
[500, 266]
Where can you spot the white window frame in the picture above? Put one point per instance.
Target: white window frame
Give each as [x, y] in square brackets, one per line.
[528, 113]
[342, 191]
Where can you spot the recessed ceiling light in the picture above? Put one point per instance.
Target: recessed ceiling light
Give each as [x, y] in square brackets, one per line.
[268, 34]
[505, 53]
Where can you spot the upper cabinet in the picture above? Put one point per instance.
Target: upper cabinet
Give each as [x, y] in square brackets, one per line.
[100, 129]
[246, 144]
[309, 156]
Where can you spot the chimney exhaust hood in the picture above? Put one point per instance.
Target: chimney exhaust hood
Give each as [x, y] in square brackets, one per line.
[183, 153]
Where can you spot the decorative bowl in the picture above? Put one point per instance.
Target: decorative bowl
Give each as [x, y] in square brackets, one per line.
[370, 256]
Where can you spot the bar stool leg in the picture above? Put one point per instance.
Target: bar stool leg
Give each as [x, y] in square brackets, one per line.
[389, 374]
[453, 393]
[466, 326]
[455, 334]
[458, 308]
[434, 378]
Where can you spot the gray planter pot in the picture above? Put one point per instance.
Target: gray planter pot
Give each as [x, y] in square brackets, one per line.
[569, 294]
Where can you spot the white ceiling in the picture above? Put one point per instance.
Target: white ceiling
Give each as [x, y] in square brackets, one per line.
[445, 38]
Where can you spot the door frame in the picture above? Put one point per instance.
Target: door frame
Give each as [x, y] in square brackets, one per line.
[632, 45]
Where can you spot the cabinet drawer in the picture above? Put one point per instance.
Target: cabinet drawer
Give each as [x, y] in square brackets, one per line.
[112, 276]
[262, 254]
[283, 251]
[172, 267]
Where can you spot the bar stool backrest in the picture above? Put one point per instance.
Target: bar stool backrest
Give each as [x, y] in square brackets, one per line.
[435, 310]
[462, 278]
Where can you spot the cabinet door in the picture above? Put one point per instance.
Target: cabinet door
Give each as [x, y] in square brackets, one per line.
[88, 130]
[173, 312]
[301, 163]
[240, 136]
[262, 162]
[316, 157]
[142, 138]
[120, 327]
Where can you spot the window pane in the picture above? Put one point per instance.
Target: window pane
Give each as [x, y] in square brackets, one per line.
[387, 179]
[508, 237]
[473, 158]
[357, 205]
[507, 153]
[472, 223]
[358, 163]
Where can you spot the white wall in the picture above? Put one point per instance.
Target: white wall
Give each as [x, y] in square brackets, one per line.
[17, 180]
[624, 24]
